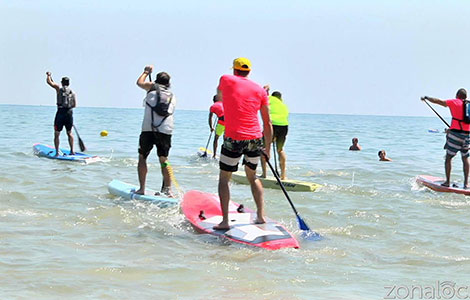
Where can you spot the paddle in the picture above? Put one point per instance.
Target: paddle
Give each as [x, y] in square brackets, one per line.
[208, 141]
[80, 142]
[436, 112]
[302, 225]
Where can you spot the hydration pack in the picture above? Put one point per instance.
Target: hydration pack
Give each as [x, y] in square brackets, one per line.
[466, 111]
[162, 106]
[65, 98]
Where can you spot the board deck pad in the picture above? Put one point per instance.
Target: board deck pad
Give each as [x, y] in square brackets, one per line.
[203, 211]
[47, 151]
[127, 191]
[271, 182]
[434, 183]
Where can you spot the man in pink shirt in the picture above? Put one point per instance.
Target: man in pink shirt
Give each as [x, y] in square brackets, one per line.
[242, 99]
[458, 135]
[218, 109]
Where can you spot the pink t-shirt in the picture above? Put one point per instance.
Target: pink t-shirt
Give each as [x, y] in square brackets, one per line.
[218, 109]
[456, 110]
[242, 99]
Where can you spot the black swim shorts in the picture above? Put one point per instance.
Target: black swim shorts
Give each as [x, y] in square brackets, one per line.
[149, 138]
[279, 136]
[63, 117]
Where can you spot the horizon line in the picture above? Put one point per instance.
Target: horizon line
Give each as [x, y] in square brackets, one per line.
[299, 113]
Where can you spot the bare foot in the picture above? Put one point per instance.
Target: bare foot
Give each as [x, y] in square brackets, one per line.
[140, 192]
[446, 184]
[72, 153]
[222, 226]
[260, 221]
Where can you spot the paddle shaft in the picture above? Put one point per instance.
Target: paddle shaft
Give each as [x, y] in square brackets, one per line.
[436, 113]
[285, 193]
[210, 135]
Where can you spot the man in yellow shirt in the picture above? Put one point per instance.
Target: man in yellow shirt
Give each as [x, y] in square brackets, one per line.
[279, 113]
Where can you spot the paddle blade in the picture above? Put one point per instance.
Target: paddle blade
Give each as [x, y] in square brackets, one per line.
[81, 144]
[308, 234]
[311, 236]
[302, 224]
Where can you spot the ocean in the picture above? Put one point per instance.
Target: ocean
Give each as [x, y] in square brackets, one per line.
[63, 236]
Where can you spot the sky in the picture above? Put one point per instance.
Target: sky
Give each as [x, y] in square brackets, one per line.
[326, 57]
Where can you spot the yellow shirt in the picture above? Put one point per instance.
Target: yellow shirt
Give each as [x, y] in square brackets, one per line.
[278, 111]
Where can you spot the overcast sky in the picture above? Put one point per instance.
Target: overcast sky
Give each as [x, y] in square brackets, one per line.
[339, 57]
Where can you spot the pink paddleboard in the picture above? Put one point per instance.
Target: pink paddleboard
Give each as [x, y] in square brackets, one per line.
[434, 183]
[203, 211]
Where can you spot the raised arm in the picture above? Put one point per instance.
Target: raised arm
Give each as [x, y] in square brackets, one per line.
[435, 100]
[267, 128]
[51, 82]
[146, 85]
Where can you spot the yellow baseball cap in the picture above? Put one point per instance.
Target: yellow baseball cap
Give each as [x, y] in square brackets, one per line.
[242, 64]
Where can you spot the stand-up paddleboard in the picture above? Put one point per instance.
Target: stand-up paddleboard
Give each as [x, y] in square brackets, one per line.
[271, 182]
[203, 152]
[203, 212]
[47, 151]
[127, 191]
[434, 183]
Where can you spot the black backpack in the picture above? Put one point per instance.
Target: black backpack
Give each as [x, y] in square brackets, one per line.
[466, 111]
[65, 98]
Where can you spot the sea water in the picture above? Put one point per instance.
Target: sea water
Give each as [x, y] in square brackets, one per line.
[63, 236]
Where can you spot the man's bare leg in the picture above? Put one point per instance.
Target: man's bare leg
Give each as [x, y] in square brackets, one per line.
[263, 166]
[448, 167]
[164, 164]
[465, 171]
[224, 195]
[257, 191]
[282, 163]
[56, 142]
[216, 141]
[70, 136]
[142, 172]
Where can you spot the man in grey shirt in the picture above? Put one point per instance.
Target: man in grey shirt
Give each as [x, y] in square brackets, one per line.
[157, 126]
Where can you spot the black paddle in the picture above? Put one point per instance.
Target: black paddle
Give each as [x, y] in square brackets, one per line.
[208, 141]
[436, 112]
[302, 225]
[80, 142]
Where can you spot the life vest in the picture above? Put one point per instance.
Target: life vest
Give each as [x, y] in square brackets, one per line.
[65, 98]
[466, 113]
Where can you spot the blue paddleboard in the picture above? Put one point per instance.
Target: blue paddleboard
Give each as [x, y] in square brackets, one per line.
[127, 191]
[47, 151]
